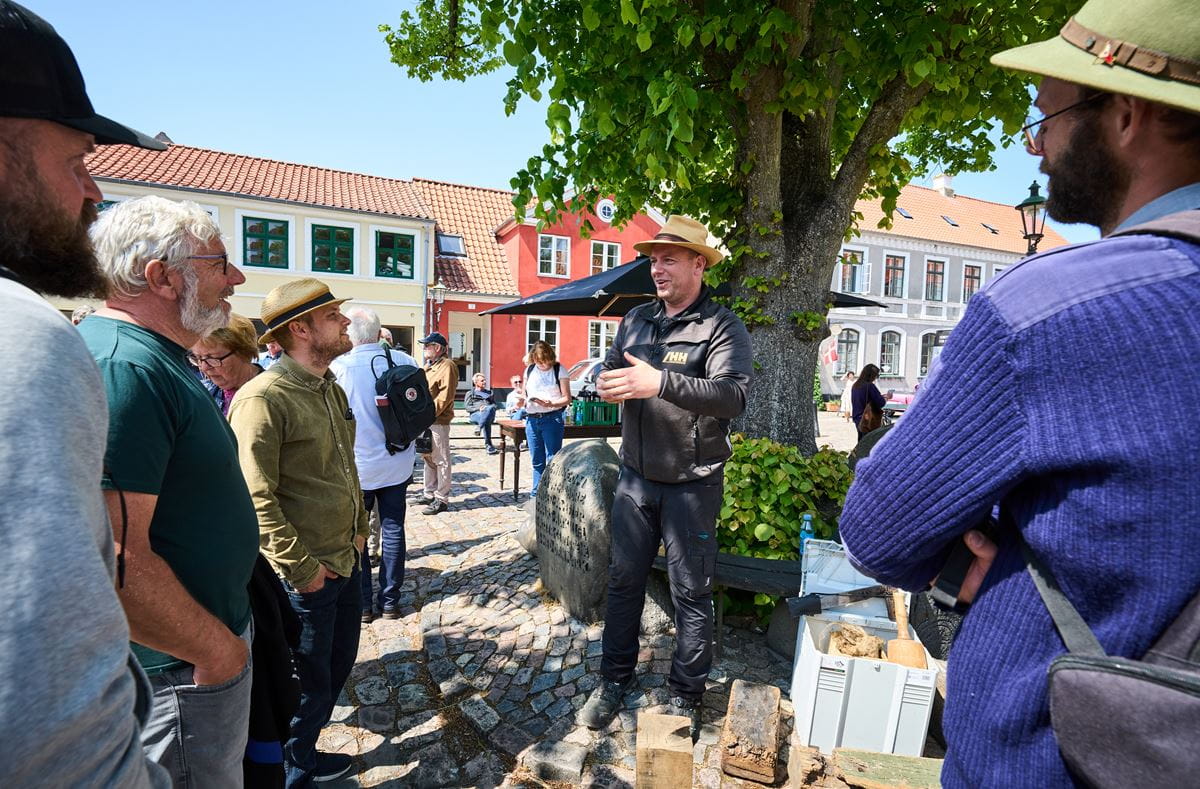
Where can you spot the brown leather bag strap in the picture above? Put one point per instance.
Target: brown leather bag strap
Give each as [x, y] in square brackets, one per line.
[1114, 52]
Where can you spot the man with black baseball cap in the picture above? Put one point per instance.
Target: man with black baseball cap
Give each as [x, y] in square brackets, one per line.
[72, 701]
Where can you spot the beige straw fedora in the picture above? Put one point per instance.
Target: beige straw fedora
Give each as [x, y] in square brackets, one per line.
[682, 231]
[291, 300]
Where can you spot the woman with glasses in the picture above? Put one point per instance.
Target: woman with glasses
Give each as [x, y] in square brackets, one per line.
[227, 358]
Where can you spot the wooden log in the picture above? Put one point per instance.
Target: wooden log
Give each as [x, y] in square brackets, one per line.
[870, 770]
[664, 752]
[750, 740]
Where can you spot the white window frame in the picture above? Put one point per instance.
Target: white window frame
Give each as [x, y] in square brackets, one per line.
[240, 214]
[530, 339]
[607, 246]
[921, 341]
[945, 278]
[608, 330]
[858, 356]
[907, 274]
[962, 280]
[900, 354]
[611, 206]
[309, 223]
[866, 269]
[555, 240]
[997, 270]
[419, 247]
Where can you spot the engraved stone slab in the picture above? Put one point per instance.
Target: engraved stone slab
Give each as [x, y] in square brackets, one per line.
[574, 517]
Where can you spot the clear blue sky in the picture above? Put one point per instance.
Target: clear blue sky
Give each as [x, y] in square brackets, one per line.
[312, 82]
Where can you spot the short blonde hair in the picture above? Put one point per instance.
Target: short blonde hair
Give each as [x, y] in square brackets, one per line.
[542, 352]
[239, 336]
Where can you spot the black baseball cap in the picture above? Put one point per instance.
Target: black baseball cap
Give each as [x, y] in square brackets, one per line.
[434, 337]
[40, 79]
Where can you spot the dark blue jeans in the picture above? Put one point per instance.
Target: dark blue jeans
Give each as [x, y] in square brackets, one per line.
[484, 418]
[392, 508]
[544, 434]
[330, 623]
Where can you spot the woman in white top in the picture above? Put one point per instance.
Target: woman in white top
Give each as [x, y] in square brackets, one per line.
[847, 407]
[547, 394]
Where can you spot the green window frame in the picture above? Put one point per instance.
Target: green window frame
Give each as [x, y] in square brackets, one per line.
[394, 254]
[264, 242]
[333, 249]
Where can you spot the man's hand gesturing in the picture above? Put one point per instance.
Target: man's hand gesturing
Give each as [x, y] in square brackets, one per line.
[636, 382]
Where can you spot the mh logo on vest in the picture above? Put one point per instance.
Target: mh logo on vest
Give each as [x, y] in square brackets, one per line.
[676, 357]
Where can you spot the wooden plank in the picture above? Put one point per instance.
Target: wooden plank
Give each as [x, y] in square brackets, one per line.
[664, 752]
[750, 739]
[870, 770]
[775, 577]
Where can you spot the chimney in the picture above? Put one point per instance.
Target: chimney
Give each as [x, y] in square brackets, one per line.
[941, 184]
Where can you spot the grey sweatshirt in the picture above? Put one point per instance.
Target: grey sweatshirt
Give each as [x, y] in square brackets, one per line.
[67, 684]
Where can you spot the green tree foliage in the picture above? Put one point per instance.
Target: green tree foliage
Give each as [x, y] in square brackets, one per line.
[765, 120]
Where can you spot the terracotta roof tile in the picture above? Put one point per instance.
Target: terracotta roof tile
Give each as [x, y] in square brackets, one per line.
[231, 173]
[474, 213]
[928, 206]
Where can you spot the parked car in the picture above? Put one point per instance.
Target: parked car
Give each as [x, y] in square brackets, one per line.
[583, 375]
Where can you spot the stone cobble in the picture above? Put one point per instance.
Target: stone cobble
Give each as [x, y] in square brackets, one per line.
[479, 682]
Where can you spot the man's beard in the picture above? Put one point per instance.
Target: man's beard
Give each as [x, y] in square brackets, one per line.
[48, 251]
[193, 315]
[1087, 183]
[324, 352]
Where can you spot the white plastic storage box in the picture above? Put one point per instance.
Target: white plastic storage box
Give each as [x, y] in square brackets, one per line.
[853, 702]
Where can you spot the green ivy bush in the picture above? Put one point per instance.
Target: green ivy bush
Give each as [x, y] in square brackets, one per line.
[768, 489]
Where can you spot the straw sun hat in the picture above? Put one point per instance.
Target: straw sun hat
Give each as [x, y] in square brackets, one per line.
[682, 231]
[290, 301]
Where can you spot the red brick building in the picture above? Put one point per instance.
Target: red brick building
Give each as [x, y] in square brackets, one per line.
[486, 257]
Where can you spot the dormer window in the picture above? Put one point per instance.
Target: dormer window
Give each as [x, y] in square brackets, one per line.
[450, 245]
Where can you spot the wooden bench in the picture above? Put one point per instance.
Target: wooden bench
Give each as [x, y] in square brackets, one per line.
[775, 577]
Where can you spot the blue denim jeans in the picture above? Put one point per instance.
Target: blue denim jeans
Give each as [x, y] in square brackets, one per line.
[545, 436]
[484, 418]
[198, 732]
[330, 620]
[392, 507]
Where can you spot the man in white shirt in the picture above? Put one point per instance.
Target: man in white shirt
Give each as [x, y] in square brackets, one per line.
[384, 476]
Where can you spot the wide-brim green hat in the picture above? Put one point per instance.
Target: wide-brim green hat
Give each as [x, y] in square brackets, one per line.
[1149, 49]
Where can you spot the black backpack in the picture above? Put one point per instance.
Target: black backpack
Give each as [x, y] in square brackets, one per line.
[404, 402]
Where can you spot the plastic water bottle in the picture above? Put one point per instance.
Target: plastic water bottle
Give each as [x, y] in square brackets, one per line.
[806, 530]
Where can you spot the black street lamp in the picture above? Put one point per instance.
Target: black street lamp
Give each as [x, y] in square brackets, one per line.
[1033, 217]
[438, 292]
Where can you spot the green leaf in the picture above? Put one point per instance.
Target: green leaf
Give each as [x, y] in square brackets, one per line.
[643, 40]
[591, 19]
[629, 14]
[764, 531]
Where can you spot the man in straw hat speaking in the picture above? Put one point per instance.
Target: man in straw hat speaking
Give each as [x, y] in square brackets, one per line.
[681, 366]
[295, 435]
[1106, 505]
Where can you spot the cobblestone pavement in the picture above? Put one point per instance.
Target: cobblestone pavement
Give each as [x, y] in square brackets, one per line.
[478, 683]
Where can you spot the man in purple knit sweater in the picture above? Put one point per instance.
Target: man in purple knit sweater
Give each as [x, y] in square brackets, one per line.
[1028, 408]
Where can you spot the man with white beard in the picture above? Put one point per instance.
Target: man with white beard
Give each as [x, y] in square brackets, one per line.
[180, 507]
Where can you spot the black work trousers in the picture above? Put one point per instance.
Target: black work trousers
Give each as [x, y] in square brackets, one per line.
[683, 516]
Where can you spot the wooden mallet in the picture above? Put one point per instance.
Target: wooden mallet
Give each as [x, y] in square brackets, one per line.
[902, 649]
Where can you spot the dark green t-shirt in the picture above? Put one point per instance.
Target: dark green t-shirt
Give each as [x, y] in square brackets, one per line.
[167, 438]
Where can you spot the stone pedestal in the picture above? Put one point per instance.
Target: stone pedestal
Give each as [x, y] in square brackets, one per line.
[574, 517]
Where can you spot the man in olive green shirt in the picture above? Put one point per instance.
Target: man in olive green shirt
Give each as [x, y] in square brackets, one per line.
[295, 436]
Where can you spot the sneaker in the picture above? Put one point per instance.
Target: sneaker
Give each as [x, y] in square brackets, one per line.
[368, 617]
[478, 431]
[424, 498]
[491, 450]
[687, 708]
[604, 703]
[435, 506]
[391, 613]
[331, 766]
